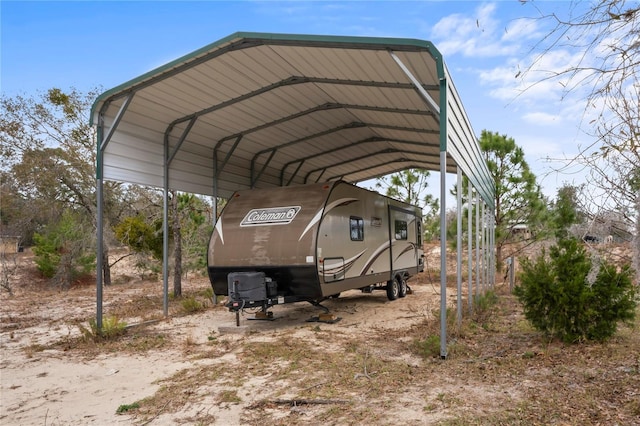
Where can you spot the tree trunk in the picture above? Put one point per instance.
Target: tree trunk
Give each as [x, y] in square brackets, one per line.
[636, 241]
[177, 241]
[106, 268]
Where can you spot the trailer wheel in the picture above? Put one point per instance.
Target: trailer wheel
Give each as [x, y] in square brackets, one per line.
[393, 289]
[402, 286]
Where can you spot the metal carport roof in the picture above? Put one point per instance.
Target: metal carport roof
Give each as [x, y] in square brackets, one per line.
[256, 110]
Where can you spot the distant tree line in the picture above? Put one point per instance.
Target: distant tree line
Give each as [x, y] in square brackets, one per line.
[48, 192]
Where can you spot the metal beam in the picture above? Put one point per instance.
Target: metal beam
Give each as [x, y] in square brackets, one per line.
[443, 254]
[362, 157]
[331, 106]
[478, 201]
[323, 107]
[352, 125]
[185, 132]
[294, 80]
[255, 178]
[470, 247]
[100, 226]
[227, 157]
[165, 230]
[123, 108]
[433, 105]
[442, 108]
[375, 139]
[295, 172]
[356, 159]
[459, 247]
[482, 247]
[414, 165]
[386, 173]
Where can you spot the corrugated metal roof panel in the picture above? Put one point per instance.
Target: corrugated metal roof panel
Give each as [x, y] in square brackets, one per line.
[271, 109]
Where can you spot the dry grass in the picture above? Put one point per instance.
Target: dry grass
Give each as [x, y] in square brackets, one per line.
[499, 371]
[504, 373]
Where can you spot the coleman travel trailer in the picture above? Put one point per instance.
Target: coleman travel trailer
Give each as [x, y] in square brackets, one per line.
[310, 242]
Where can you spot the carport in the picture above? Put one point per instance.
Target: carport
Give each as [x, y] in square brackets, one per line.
[254, 110]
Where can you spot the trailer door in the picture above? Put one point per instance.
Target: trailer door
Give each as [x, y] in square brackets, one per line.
[403, 226]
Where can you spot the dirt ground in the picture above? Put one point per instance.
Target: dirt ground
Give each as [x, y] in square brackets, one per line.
[379, 364]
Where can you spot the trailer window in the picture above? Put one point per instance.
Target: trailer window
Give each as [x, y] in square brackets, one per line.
[356, 228]
[419, 233]
[401, 230]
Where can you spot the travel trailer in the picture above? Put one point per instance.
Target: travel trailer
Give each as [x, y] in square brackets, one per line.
[311, 242]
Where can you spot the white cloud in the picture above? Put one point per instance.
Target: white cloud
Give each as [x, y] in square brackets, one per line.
[544, 108]
[543, 82]
[519, 30]
[542, 118]
[475, 35]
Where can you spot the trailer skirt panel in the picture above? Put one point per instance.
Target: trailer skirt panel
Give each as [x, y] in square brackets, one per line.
[299, 281]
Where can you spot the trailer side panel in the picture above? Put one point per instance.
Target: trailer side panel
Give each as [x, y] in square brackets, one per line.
[356, 239]
[271, 231]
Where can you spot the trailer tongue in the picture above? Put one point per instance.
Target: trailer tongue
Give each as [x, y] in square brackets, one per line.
[309, 243]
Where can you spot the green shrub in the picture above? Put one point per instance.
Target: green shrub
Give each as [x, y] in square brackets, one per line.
[191, 304]
[127, 407]
[429, 347]
[483, 307]
[559, 300]
[46, 253]
[207, 293]
[140, 236]
[64, 251]
[112, 327]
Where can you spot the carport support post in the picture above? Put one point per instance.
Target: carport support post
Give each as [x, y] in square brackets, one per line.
[165, 232]
[459, 248]
[485, 248]
[477, 233]
[101, 145]
[470, 248]
[482, 248]
[443, 254]
[215, 205]
[99, 230]
[493, 249]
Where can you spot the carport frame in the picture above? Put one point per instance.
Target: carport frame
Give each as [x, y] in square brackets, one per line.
[107, 128]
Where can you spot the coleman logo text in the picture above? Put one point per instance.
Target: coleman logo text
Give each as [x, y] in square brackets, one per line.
[270, 216]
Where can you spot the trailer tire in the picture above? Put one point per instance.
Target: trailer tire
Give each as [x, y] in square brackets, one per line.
[402, 287]
[393, 289]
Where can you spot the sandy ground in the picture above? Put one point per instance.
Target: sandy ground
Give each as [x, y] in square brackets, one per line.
[41, 383]
[199, 368]
[54, 387]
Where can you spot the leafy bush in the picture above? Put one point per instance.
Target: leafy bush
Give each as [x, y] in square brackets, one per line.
[141, 236]
[560, 300]
[64, 250]
[47, 255]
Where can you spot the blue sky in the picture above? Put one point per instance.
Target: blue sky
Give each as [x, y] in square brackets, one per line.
[89, 44]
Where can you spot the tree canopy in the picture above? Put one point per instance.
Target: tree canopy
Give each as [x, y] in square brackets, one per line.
[518, 198]
[607, 75]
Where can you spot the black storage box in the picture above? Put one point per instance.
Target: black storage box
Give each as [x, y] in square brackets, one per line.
[248, 286]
